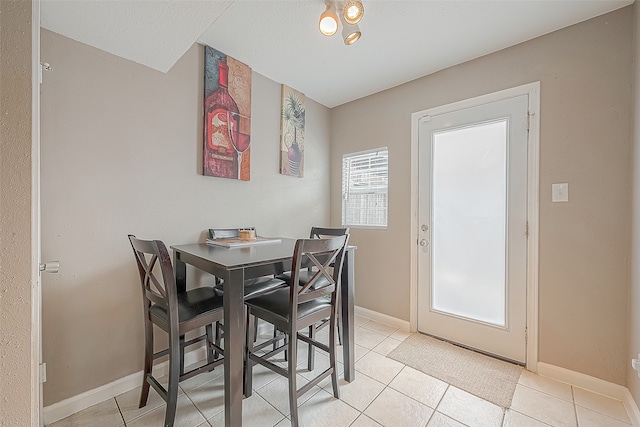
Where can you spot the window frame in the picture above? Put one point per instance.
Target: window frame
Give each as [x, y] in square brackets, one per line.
[346, 188]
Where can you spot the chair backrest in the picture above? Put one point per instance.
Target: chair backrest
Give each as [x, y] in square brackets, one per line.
[322, 232]
[322, 254]
[156, 275]
[227, 233]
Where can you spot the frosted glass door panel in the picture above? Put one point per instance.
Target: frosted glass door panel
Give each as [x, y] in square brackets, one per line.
[469, 222]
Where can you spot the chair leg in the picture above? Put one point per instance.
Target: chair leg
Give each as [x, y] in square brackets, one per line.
[181, 354]
[148, 362]
[312, 350]
[332, 358]
[339, 317]
[248, 348]
[210, 340]
[291, 370]
[175, 367]
[216, 355]
[255, 328]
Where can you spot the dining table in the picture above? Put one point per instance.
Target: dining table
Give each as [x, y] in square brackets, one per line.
[235, 265]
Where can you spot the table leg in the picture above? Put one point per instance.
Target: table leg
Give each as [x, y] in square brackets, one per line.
[233, 347]
[347, 291]
[180, 270]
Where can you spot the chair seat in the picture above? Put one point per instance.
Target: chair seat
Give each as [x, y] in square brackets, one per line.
[277, 304]
[258, 286]
[191, 305]
[304, 277]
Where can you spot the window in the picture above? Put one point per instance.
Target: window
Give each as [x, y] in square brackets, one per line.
[364, 188]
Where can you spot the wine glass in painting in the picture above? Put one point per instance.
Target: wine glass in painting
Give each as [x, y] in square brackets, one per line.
[239, 133]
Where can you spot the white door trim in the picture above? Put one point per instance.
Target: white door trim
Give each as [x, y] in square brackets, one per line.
[37, 419]
[533, 91]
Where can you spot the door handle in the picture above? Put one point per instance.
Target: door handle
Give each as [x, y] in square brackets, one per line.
[50, 267]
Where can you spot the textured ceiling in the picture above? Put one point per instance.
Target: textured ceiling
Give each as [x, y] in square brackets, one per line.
[401, 39]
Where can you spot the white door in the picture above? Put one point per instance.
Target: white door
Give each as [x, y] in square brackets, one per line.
[472, 219]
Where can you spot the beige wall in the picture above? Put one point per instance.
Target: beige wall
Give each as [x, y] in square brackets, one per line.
[633, 382]
[585, 75]
[15, 215]
[121, 150]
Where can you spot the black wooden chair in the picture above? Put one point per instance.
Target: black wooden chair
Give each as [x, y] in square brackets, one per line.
[176, 314]
[305, 275]
[297, 308]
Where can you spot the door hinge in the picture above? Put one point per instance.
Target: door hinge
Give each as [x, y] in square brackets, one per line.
[43, 372]
[529, 115]
[526, 334]
[526, 229]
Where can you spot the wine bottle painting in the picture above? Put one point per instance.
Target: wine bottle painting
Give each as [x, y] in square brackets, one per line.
[227, 116]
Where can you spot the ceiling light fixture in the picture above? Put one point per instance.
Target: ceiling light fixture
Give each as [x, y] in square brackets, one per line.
[350, 32]
[328, 23]
[351, 12]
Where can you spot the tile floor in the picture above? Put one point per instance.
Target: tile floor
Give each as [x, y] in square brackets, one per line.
[385, 393]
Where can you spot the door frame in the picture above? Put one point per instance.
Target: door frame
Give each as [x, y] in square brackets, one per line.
[36, 288]
[533, 198]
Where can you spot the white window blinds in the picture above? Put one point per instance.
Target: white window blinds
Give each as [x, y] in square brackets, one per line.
[365, 188]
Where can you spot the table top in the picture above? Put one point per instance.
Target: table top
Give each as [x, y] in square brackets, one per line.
[231, 258]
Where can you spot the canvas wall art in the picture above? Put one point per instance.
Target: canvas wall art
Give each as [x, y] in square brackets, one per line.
[292, 133]
[227, 116]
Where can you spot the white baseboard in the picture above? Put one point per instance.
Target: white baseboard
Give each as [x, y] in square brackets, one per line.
[596, 385]
[381, 318]
[66, 407]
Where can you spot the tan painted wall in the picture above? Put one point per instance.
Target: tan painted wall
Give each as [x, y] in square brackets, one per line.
[15, 214]
[585, 75]
[633, 382]
[120, 154]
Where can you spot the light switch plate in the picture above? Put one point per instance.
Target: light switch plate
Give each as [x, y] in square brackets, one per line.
[560, 192]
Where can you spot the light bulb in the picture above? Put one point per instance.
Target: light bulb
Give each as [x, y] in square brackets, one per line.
[328, 21]
[353, 11]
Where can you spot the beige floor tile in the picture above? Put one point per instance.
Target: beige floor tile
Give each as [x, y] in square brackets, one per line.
[440, 420]
[104, 414]
[256, 412]
[386, 346]
[187, 415]
[400, 335]
[128, 403]
[324, 410]
[364, 421]
[546, 385]
[284, 423]
[209, 397]
[359, 393]
[380, 328]
[589, 418]
[198, 380]
[516, 419]
[543, 407]
[469, 409]
[359, 320]
[420, 386]
[378, 367]
[602, 404]
[367, 338]
[392, 408]
[360, 351]
[276, 393]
